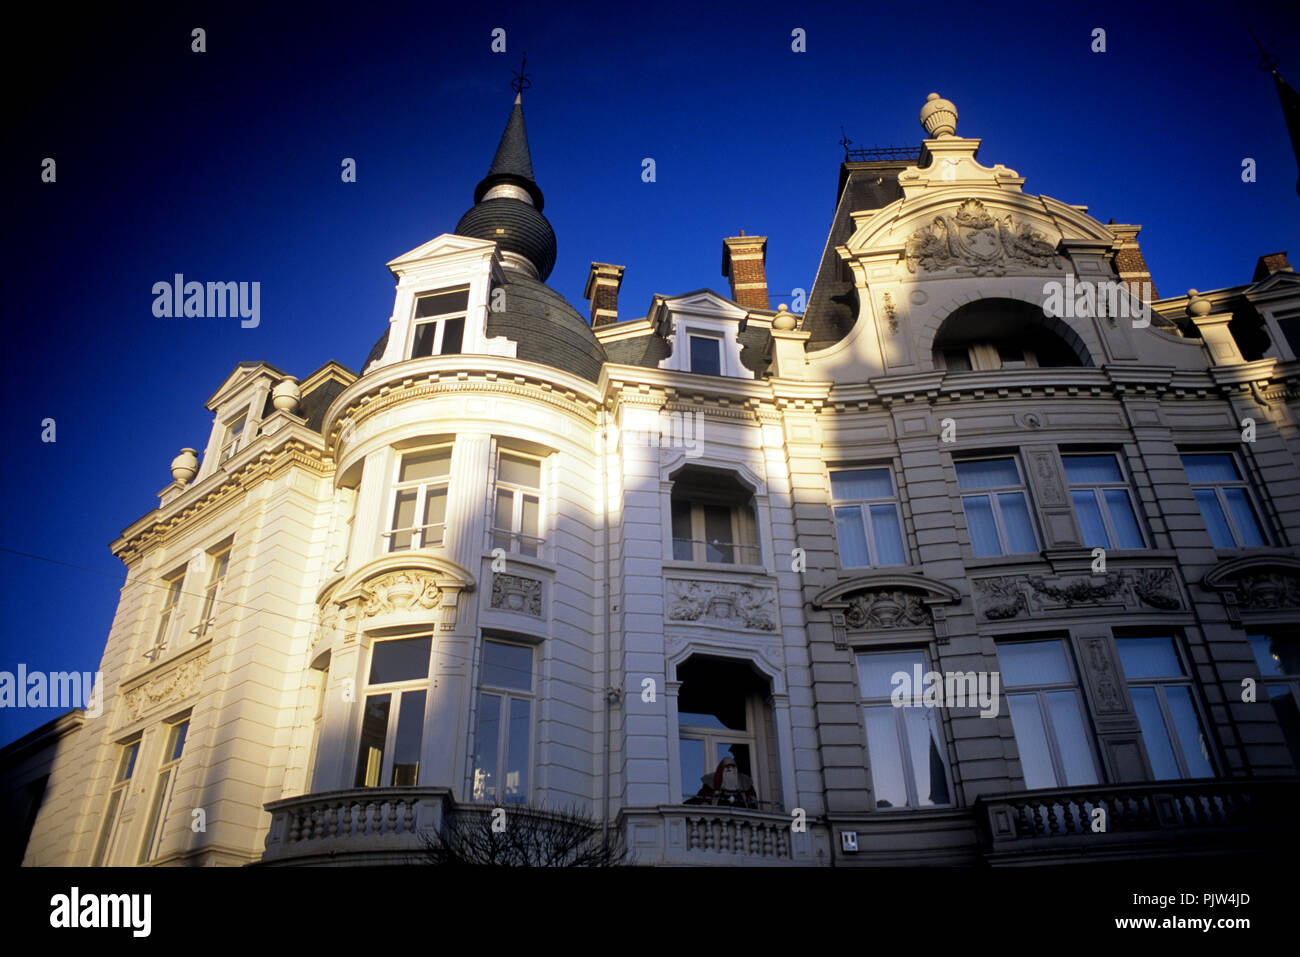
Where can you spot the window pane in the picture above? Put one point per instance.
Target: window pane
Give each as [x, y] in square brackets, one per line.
[177, 743]
[1031, 740]
[156, 815]
[486, 742]
[505, 515]
[453, 334]
[403, 518]
[441, 303]
[876, 671]
[126, 767]
[956, 360]
[1276, 655]
[1210, 468]
[410, 731]
[1089, 469]
[717, 529]
[425, 465]
[530, 513]
[692, 764]
[1196, 749]
[1089, 516]
[706, 355]
[1016, 523]
[517, 752]
[423, 345]
[1120, 507]
[1034, 663]
[110, 823]
[1154, 734]
[884, 756]
[1071, 737]
[435, 513]
[520, 471]
[852, 537]
[1243, 516]
[1215, 523]
[403, 660]
[983, 531]
[854, 484]
[374, 731]
[987, 473]
[925, 750]
[507, 666]
[889, 537]
[1149, 657]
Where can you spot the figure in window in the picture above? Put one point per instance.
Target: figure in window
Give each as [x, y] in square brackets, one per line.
[728, 786]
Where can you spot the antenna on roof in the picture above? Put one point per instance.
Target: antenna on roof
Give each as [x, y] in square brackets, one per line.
[521, 81]
[845, 142]
[1267, 62]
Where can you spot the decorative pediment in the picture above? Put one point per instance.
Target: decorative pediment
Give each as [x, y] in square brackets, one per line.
[1264, 583]
[884, 602]
[972, 241]
[446, 245]
[395, 589]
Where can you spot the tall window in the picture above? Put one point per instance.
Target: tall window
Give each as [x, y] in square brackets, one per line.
[419, 511]
[904, 745]
[706, 354]
[1102, 502]
[1278, 657]
[162, 796]
[867, 520]
[440, 323]
[216, 580]
[713, 520]
[996, 507]
[109, 831]
[392, 722]
[234, 432]
[169, 622]
[517, 510]
[1047, 714]
[722, 734]
[1225, 500]
[1162, 696]
[504, 734]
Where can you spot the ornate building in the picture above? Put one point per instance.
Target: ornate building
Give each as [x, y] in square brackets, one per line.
[679, 571]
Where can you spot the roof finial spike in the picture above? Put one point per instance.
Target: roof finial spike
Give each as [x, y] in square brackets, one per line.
[1267, 62]
[521, 81]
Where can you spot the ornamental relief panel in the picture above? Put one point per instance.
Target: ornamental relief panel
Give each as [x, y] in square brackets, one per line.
[974, 242]
[1268, 591]
[406, 594]
[723, 604]
[398, 592]
[1006, 597]
[517, 594]
[1096, 660]
[886, 608]
[174, 685]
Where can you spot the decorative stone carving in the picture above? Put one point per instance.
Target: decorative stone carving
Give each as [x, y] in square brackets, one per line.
[886, 608]
[173, 685]
[398, 592]
[1006, 597]
[976, 243]
[1266, 591]
[517, 594]
[1049, 483]
[891, 313]
[722, 603]
[1097, 660]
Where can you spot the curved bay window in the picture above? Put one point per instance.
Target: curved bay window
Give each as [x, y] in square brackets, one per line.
[419, 509]
[713, 519]
[392, 721]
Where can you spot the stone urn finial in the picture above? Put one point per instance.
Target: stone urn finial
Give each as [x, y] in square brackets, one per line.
[784, 320]
[938, 117]
[185, 466]
[286, 394]
[1197, 305]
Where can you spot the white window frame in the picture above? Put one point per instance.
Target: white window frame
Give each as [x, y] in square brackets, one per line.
[231, 441]
[718, 342]
[699, 536]
[864, 516]
[421, 536]
[513, 539]
[1217, 487]
[1097, 488]
[110, 831]
[165, 787]
[438, 320]
[395, 690]
[171, 617]
[992, 493]
[506, 695]
[1158, 685]
[217, 571]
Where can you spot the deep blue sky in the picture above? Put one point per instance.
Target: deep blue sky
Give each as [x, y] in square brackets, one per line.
[225, 166]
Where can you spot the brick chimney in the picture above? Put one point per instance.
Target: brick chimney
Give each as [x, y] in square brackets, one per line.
[1271, 263]
[1129, 260]
[744, 262]
[603, 283]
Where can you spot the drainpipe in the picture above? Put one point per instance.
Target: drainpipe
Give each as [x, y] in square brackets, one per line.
[609, 692]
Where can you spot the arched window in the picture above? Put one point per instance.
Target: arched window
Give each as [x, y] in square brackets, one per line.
[1005, 334]
[713, 519]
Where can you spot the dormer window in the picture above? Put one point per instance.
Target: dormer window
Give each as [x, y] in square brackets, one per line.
[234, 433]
[440, 323]
[706, 355]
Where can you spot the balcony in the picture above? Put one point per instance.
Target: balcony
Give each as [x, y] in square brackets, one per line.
[1160, 819]
[354, 826]
[711, 836]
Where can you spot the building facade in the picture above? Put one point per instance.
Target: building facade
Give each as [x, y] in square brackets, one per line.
[983, 554]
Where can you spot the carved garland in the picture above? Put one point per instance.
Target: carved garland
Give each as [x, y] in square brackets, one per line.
[1005, 597]
[175, 685]
[722, 603]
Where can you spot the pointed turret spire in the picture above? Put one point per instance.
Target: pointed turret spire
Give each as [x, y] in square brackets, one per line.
[513, 162]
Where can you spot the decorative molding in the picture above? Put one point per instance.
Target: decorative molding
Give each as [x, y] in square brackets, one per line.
[976, 243]
[890, 313]
[1049, 482]
[726, 604]
[175, 684]
[886, 608]
[1005, 597]
[400, 592]
[516, 593]
[883, 601]
[1101, 672]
